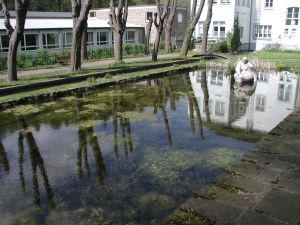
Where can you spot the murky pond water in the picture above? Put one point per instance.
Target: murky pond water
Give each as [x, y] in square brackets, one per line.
[131, 154]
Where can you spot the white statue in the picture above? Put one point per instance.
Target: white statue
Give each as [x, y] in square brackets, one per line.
[245, 71]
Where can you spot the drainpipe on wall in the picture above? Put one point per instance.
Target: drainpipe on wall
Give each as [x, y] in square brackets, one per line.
[250, 24]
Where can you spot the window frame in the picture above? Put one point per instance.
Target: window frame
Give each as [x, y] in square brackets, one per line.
[100, 42]
[130, 41]
[265, 30]
[219, 25]
[4, 49]
[180, 17]
[292, 17]
[25, 47]
[146, 15]
[66, 44]
[269, 4]
[226, 2]
[45, 40]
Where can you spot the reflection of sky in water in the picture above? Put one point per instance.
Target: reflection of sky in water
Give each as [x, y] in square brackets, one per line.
[147, 167]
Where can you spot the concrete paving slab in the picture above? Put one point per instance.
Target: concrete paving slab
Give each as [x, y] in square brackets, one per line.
[281, 204]
[228, 180]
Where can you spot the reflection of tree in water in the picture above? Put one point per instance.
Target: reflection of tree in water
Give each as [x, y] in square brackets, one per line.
[3, 158]
[163, 90]
[193, 104]
[85, 135]
[36, 162]
[119, 104]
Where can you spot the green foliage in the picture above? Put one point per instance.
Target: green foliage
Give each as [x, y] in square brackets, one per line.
[281, 67]
[235, 42]
[117, 64]
[229, 36]
[185, 218]
[162, 45]
[65, 52]
[42, 57]
[90, 79]
[3, 60]
[107, 76]
[220, 46]
[127, 49]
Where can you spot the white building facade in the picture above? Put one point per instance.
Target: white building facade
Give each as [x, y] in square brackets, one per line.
[263, 22]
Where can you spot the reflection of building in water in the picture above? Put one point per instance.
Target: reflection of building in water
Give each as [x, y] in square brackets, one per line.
[219, 93]
[275, 96]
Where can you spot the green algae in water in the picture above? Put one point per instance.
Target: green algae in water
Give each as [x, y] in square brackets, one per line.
[222, 156]
[62, 111]
[89, 123]
[133, 115]
[23, 109]
[95, 106]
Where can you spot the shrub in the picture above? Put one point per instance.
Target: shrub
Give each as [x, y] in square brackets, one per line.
[220, 46]
[42, 57]
[272, 46]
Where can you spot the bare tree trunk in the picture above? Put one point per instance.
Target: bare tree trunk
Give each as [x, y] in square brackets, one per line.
[191, 27]
[118, 46]
[84, 40]
[148, 32]
[159, 26]
[80, 10]
[206, 26]
[168, 28]
[15, 35]
[117, 22]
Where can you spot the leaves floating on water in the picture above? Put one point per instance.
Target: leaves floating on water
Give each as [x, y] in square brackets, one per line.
[61, 111]
[89, 123]
[23, 109]
[136, 115]
[95, 106]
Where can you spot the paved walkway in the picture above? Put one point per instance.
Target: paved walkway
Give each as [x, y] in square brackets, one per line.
[262, 188]
[88, 64]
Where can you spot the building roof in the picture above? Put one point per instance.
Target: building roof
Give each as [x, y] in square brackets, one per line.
[46, 24]
[37, 14]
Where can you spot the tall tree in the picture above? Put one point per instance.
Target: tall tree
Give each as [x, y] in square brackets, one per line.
[148, 32]
[236, 37]
[168, 27]
[117, 22]
[206, 26]
[15, 35]
[191, 27]
[80, 10]
[160, 16]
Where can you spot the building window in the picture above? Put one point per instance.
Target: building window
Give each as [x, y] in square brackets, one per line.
[292, 16]
[248, 3]
[269, 4]
[241, 31]
[30, 42]
[50, 40]
[130, 37]
[149, 15]
[215, 1]
[92, 14]
[225, 1]
[90, 38]
[262, 31]
[260, 103]
[200, 25]
[4, 43]
[219, 108]
[284, 92]
[217, 77]
[286, 31]
[67, 40]
[219, 29]
[294, 32]
[180, 16]
[102, 38]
